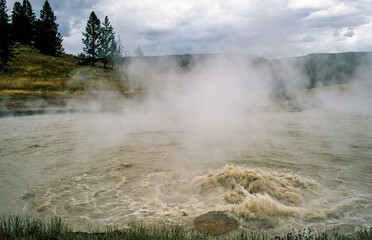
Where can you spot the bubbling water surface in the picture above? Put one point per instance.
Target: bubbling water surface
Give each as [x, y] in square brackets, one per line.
[282, 170]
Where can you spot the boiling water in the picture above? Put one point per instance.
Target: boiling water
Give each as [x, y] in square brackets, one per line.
[278, 171]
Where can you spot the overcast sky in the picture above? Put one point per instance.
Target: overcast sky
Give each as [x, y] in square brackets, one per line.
[267, 28]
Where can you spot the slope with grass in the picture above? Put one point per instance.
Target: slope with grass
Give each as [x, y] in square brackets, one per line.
[32, 74]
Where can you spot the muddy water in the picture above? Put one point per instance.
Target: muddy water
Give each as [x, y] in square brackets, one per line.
[280, 170]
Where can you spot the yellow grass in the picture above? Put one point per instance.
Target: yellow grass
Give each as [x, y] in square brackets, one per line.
[33, 73]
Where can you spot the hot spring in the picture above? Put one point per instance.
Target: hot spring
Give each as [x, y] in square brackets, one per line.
[275, 169]
[207, 139]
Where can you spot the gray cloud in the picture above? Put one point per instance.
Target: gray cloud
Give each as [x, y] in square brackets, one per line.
[265, 28]
[72, 13]
[337, 21]
[308, 39]
[349, 34]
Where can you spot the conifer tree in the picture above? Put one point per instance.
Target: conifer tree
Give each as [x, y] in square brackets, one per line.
[23, 23]
[18, 18]
[4, 33]
[91, 37]
[29, 24]
[48, 39]
[120, 49]
[114, 52]
[138, 51]
[106, 42]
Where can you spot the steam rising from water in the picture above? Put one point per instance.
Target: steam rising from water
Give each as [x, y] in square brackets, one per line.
[212, 102]
[210, 138]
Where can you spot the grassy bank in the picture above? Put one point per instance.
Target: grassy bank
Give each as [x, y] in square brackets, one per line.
[31, 73]
[16, 227]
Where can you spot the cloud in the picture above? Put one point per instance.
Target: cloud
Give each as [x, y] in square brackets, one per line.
[72, 14]
[349, 34]
[340, 9]
[338, 15]
[308, 39]
[314, 4]
[269, 28]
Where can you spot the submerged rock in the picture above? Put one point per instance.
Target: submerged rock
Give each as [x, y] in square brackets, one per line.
[215, 223]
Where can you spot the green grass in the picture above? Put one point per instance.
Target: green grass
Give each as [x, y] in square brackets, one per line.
[16, 227]
[34, 74]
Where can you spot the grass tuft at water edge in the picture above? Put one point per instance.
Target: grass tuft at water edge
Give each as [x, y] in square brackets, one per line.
[17, 227]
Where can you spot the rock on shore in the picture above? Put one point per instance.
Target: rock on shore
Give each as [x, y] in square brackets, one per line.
[215, 223]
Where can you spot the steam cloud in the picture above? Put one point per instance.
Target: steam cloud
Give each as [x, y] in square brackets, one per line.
[219, 96]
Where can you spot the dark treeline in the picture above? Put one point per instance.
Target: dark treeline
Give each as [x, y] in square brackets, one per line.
[5, 40]
[23, 27]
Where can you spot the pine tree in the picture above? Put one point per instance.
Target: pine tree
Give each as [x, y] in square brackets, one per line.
[29, 24]
[48, 39]
[18, 18]
[92, 35]
[107, 38]
[4, 33]
[120, 49]
[114, 52]
[138, 51]
[23, 23]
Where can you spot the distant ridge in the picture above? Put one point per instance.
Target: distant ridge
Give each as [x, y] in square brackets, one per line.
[321, 69]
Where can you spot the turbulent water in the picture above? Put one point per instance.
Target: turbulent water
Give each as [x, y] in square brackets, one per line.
[278, 171]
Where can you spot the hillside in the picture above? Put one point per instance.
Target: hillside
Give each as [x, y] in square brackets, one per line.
[324, 69]
[32, 74]
[313, 70]
[321, 69]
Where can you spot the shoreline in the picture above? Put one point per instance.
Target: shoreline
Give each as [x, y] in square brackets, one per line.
[59, 103]
[31, 105]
